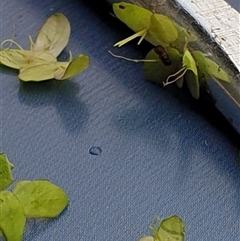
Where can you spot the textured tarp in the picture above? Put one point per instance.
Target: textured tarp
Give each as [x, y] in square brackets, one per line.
[158, 152]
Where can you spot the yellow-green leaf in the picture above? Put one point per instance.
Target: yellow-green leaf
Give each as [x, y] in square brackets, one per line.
[216, 71]
[146, 238]
[185, 35]
[163, 29]
[189, 62]
[168, 229]
[17, 58]
[135, 17]
[200, 61]
[75, 66]
[12, 219]
[208, 67]
[5, 172]
[158, 72]
[171, 229]
[40, 71]
[192, 83]
[54, 34]
[44, 70]
[40, 198]
[201, 66]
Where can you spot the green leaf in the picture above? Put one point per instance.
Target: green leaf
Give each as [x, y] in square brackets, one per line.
[171, 229]
[39, 71]
[201, 67]
[13, 58]
[12, 219]
[158, 72]
[184, 36]
[146, 238]
[168, 229]
[135, 17]
[189, 62]
[155, 28]
[40, 63]
[19, 58]
[163, 29]
[216, 71]
[54, 35]
[5, 172]
[199, 59]
[75, 66]
[40, 198]
[192, 83]
[208, 67]
[191, 75]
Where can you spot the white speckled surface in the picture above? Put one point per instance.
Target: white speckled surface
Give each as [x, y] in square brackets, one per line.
[221, 21]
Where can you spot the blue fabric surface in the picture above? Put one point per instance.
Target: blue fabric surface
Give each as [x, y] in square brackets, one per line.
[160, 152]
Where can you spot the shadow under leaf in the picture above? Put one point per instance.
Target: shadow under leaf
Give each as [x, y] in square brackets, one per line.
[63, 95]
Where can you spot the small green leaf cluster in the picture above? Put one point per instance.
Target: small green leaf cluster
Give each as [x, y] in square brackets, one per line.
[40, 61]
[186, 63]
[167, 229]
[34, 199]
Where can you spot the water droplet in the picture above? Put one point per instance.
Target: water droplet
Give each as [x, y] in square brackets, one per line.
[95, 150]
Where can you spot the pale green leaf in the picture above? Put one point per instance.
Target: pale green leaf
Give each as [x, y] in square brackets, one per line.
[54, 35]
[189, 62]
[18, 58]
[163, 29]
[146, 238]
[12, 219]
[155, 28]
[158, 72]
[207, 67]
[192, 83]
[5, 172]
[39, 71]
[13, 58]
[75, 66]
[40, 63]
[158, 29]
[40, 198]
[44, 70]
[201, 66]
[216, 71]
[171, 229]
[135, 17]
[184, 36]
[191, 75]
[200, 61]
